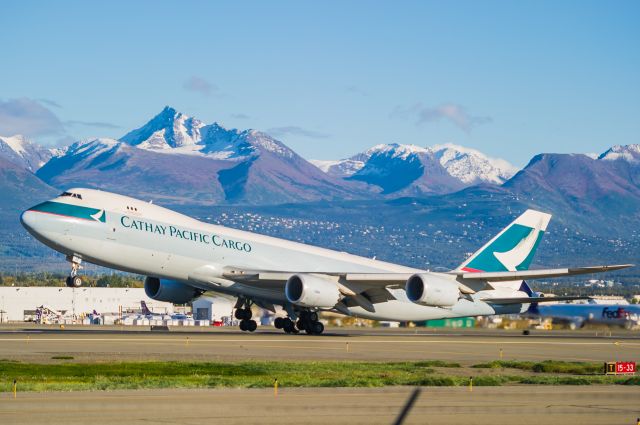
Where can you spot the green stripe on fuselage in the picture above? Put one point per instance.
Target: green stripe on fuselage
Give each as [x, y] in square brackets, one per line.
[69, 210]
[487, 262]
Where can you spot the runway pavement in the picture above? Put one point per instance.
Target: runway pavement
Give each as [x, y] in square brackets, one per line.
[485, 405]
[468, 348]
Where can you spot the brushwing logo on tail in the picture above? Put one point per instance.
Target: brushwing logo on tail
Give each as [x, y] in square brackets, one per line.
[519, 253]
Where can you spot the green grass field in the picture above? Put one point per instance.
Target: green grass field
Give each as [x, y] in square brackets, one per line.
[70, 376]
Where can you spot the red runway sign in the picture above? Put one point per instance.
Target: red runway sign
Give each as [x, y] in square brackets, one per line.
[620, 368]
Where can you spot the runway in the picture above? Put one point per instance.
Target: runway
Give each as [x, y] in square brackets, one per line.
[92, 343]
[484, 405]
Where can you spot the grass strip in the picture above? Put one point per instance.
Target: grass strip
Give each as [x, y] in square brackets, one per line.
[148, 375]
[547, 366]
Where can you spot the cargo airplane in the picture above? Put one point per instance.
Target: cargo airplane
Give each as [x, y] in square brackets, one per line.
[183, 257]
[578, 315]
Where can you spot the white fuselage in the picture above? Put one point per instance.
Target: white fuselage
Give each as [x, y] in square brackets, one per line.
[131, 235]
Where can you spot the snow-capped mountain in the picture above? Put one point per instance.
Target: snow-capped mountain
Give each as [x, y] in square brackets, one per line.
[405, 170]
[472, 166]
[169, 129]
[340, 167]
[118, 167]
[173, 132]
[629, 153]
[180, 159]
[467, 166]
[23, 152]
[609, 184]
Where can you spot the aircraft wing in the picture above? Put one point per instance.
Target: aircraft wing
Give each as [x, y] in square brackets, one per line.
[530, 300]
[538, 274]
[367, 289]
[398, 279]
[361, 282]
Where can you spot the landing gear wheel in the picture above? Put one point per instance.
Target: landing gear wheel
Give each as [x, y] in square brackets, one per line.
[278, 322]
[243, 325]
[251, 325]
[313, 316]
[317, 328]
[288, 326]
[74, 281]
[300, 324]
[243, 314]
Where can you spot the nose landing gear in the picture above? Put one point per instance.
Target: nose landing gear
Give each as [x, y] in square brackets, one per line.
[73, 280]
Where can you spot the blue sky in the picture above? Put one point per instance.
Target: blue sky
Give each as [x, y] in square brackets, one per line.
[330, 79]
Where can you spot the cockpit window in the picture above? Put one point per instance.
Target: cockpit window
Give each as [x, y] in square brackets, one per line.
[73, 195]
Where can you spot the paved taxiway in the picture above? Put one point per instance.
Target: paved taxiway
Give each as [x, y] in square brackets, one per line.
[93, 343]
[485, 405]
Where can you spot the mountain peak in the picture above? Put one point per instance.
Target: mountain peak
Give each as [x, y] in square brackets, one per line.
[467, 165]
[472, 166]
[395, 150]
[19, 150]
[629, 153]
[168, 110]
[168, 129]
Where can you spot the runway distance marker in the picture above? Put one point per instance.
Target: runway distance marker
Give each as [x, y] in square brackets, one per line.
[620, 368]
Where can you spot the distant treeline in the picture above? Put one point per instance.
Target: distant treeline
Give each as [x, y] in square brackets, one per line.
[58, 279]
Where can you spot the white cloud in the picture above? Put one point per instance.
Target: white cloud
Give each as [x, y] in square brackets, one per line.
[28, 117]
[455, 114]
[200, 85]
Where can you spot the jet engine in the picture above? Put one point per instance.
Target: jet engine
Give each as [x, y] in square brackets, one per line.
[432, 290]
[308, 290]
[170, 290]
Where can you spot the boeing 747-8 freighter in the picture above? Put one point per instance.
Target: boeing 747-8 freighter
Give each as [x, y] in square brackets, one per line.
[183, 257]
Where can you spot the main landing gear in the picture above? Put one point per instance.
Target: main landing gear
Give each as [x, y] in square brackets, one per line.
[244, 316]
[73, 280]
[307, 321]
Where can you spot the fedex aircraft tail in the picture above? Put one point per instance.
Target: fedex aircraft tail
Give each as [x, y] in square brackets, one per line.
[513, 248]
[145, 309]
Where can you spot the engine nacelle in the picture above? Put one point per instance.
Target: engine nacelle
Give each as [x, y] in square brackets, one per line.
[311, 291]
[432, 290]
[170, 290]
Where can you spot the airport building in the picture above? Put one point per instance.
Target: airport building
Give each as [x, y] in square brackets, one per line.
[213, 309]
[20, 303]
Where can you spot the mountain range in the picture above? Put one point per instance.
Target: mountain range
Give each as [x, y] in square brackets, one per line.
[181, 160]
[178, 160]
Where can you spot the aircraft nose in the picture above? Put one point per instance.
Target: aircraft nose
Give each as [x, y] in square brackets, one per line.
[29, 220]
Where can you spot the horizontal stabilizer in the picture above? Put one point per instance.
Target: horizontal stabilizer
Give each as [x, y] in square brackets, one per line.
[530, 300]
[539, 274]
